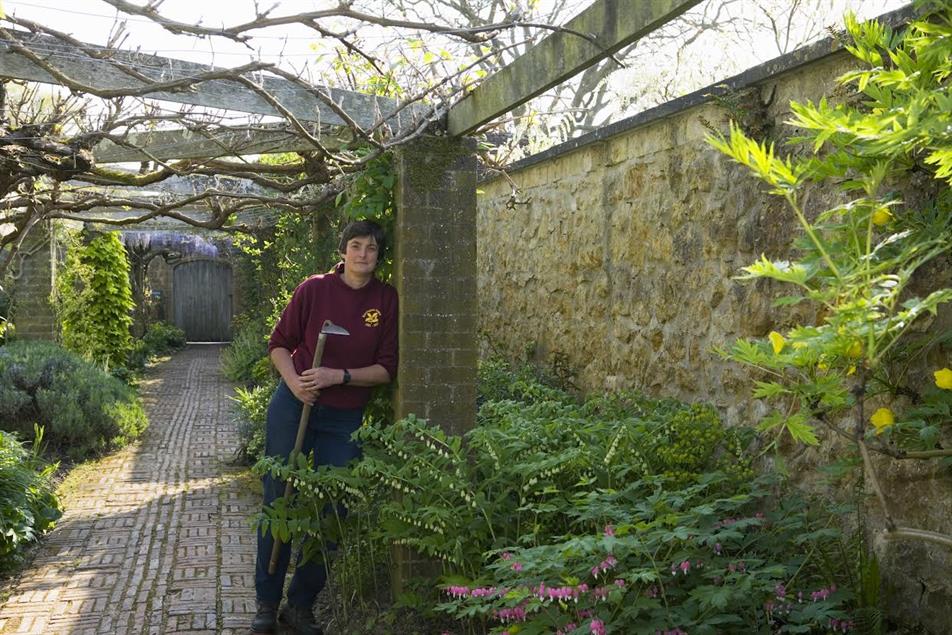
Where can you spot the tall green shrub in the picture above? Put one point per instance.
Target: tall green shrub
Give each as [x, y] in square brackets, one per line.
[94, 300]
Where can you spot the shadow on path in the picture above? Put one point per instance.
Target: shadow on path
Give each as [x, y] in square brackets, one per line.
[157, 538]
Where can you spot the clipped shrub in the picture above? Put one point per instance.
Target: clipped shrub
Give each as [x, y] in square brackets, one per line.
[28, 504]
[84, 410]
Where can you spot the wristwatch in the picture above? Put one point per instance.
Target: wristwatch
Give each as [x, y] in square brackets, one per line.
[346, 376]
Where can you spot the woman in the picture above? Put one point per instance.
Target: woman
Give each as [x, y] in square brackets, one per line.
[349, 296]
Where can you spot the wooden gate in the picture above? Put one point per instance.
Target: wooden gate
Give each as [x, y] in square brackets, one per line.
[201, 292]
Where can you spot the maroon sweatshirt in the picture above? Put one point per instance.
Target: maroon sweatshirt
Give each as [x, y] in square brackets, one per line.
[368, 313]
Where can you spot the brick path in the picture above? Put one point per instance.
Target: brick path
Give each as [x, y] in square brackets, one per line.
[157, 539]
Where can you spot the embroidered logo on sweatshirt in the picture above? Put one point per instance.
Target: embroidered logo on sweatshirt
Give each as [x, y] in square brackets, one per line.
[372, 317]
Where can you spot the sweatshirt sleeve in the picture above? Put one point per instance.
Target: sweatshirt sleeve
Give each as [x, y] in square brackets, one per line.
[289, 330]
[387, 349]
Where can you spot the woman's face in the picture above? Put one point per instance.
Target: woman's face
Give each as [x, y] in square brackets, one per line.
[360, 258]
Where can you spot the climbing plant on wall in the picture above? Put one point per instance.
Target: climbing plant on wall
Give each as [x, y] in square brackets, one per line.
[93, 297]
[871, 368]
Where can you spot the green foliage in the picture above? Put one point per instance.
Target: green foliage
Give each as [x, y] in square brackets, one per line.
[534, 472]
[499, 380]
[369, 196]
[6, 327]
[866, 264]
[670, 560]
[84, 410]
[163, 338]
[93, 296]
[243, 356]
[160, 338]
[272, 264]
[249, 414]
[28, 504]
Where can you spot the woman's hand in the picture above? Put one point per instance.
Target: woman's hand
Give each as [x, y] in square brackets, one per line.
[303, 389]
[320, 378]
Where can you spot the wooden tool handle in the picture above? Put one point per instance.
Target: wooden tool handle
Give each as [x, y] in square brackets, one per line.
[298, 444]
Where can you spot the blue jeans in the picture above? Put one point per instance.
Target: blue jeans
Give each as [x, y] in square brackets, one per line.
[328, 436]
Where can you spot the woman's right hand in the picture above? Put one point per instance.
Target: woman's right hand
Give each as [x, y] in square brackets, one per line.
[304, 391]
[302, 387]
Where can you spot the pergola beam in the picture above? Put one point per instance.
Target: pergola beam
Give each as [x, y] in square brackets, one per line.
[598, 32]
[212, 144]
[364, 110]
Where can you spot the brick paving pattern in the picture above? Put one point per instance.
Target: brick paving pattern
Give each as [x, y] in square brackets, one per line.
[157, 540]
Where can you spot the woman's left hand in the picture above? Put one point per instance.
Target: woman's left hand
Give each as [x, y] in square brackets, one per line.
[323, 377]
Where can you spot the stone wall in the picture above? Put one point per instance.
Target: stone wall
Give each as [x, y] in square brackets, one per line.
[621, 255]
[618, 252]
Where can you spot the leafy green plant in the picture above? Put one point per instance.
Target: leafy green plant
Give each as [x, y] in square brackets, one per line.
[870, 265]
[160, 338]
[247, 349]
[249, 414]
[516, 480]
[675, 560]
[28, 504]
[93, 297]
[369, 196]
[6, 326]
[84, 410]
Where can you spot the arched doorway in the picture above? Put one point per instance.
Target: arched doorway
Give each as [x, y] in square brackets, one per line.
[202, 300]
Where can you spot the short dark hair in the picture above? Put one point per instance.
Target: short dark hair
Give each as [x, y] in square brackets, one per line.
[363, 228]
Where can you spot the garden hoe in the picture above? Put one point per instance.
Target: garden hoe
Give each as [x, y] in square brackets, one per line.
[329, 328]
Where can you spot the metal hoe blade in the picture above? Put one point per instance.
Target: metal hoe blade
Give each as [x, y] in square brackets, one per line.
[330, 328]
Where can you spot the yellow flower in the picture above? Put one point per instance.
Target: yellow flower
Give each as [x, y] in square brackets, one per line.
[777, 341]
[882, 419]
[943, 378]
[855, 350]
[882, 216]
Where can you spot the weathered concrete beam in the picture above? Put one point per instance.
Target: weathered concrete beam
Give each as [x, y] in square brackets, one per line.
[221, 142]
[612, 24]
[365, 110]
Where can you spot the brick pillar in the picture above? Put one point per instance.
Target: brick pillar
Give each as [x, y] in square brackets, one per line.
[34, 273]
[435, 275]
